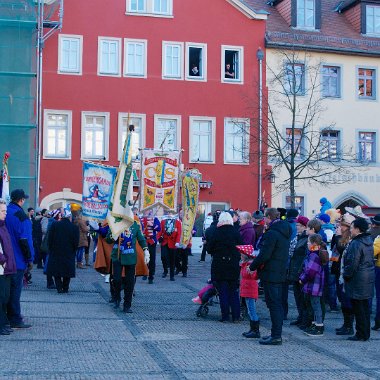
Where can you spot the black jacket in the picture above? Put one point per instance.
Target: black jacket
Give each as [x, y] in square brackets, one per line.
[359, 268]
[225, 257]
[63, 243]
[271, 263]
[298, 257]
[208, 234]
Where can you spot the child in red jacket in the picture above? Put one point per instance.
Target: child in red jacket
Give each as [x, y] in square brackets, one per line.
[249, 290]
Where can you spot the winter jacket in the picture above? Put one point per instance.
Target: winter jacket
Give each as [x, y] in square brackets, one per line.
[83, 230]
[293, 225]
[170, 238]
[20, 229]
[259, 230]
[247, 233]
[374, 231]
[7, 256]
[272, 260]
[209, 232]
[225, 257]
[249, 287]
[298, 257]
[313, 275]
[359, 268]
[325, 205]
[63, 239]
[376, 250]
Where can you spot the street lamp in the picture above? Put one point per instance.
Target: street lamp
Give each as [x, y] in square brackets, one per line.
[260, 57]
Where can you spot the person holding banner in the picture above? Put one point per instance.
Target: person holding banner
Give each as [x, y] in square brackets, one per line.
[124, 259]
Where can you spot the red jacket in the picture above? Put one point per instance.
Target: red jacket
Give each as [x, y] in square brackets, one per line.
[248, 283]
[173, 238]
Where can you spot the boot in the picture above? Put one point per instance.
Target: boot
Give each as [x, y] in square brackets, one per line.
[347, 328]
[81, 266]
[376, 327]
[87, 259]
[250, 329]
[255, 332]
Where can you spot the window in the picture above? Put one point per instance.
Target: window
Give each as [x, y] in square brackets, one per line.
[306, 14]
[196, 62]
[372, 20]
[70, 54]
[138, 138]
[57, 134]
[162, 8]
[297, 148]
[167, 131]
[299, 203]
[366, 83]
[109, 56]
[232, 64]
[367, 146]
[172, 53]
[95, 132]
[330, 145]
[331, 82]
[236, 140]
[202, 139]
[295, 78]
[135, 58]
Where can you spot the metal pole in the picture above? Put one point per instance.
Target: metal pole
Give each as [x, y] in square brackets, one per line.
[260, 57]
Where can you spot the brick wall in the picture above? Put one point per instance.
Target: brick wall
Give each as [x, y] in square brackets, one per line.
[353, 16]
[285, 10]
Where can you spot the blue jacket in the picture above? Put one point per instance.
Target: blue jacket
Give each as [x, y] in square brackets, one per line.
[20, 229]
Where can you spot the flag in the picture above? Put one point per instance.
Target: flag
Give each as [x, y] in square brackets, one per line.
[4, 186]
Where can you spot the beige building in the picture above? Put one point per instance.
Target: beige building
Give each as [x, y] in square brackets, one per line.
[337, 57]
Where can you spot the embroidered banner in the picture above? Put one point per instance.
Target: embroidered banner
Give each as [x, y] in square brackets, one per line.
[190, 198]
[98, 181]
[159, 179]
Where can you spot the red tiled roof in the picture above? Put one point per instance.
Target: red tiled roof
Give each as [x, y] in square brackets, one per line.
[336, 33]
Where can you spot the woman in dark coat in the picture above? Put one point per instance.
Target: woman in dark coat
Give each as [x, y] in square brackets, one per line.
[359, 277]
[225, 269]
[63, 243]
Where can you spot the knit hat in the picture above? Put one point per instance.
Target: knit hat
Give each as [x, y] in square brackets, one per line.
[246, 250]
[323, 200]
[258, 215]
[292, 213]
[282, 212]
[376, 220]
[324, 218]
[302, 220]
[347, 219]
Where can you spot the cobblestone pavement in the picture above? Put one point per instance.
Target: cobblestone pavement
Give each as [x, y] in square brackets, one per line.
[80, 336]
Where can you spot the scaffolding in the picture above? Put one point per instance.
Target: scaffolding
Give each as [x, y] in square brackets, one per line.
[23, 24]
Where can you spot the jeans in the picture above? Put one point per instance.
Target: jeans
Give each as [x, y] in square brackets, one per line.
[316, 305]
[273, 298]
[229, 299]
[14, 307]
[362, 318]
[127, 283]
[152, 260]
[377, 285]
[251, 307]
[80, 252]
[5, 288]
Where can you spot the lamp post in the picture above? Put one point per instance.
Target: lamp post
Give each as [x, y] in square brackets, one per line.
[260, 57]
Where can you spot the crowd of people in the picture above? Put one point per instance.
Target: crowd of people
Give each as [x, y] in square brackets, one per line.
[327, 259]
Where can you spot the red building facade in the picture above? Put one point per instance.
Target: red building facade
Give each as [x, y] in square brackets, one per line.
[161, 65]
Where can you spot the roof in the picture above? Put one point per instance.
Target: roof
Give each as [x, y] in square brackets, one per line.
[336, 33]
[247, 9]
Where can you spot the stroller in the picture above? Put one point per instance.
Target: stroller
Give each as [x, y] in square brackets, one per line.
[206, 297]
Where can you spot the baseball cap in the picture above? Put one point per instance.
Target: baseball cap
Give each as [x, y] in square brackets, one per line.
[18, 194]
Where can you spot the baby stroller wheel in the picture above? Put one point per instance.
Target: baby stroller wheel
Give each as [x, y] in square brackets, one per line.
[205, 311]
[199, 311]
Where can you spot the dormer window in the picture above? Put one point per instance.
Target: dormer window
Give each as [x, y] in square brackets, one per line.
[156, 8]
[306, 14]
[373, 20]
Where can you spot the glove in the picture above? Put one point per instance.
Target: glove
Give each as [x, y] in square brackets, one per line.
[177, 245]
[94, 225]
[146, 256]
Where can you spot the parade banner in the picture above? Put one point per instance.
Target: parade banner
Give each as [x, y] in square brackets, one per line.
[4, 181]
[190, 198]
[120, 215]
[98, 181]
[159, 179]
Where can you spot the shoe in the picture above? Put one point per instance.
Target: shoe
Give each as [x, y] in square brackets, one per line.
[334, 310]
[116, 304]
[271, 341]
[177, 271]
[59, 291]
[355, 338]
[201, 261]
[51, 286]
[345, 331]
[184, 275]
[7, 328]
[197, 300]
[376, 327]
[65, 290]
[107, 278]
[3, 331]
[111, 300]
[127, 310]
[164, 275]
[88, 265]
[172, 279]
[21, 325]
[81, 266]
[150, 281]
[315, 331]
[223, 320]
[255, 330]
[297, 322]
[144, 278]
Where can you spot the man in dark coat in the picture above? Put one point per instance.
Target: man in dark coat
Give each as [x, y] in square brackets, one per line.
[63, 243]
[271, 264]
[359, 277]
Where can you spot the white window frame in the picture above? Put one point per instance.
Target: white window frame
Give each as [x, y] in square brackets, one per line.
[69, 115]
[304, 26]
[181, 59]
[365, 77]
[245, 160]
[61, 38]
[302, 149]
[374, 145]
[289, 89]
[376, 8]
[111, 39]
[240, 50]
[145, 63]
[200, 78]
[212, 120]
[106, 116]
[120, 142]
[328, 140]
[339, 81]
[149, 9]
[157, 118]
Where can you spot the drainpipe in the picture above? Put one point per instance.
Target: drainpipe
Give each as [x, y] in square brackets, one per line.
[260, 57]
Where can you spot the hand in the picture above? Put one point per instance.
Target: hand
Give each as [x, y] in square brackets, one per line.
[300, 282]
[30, 266]
[146, 256]
[94, 225]
[177, 245]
